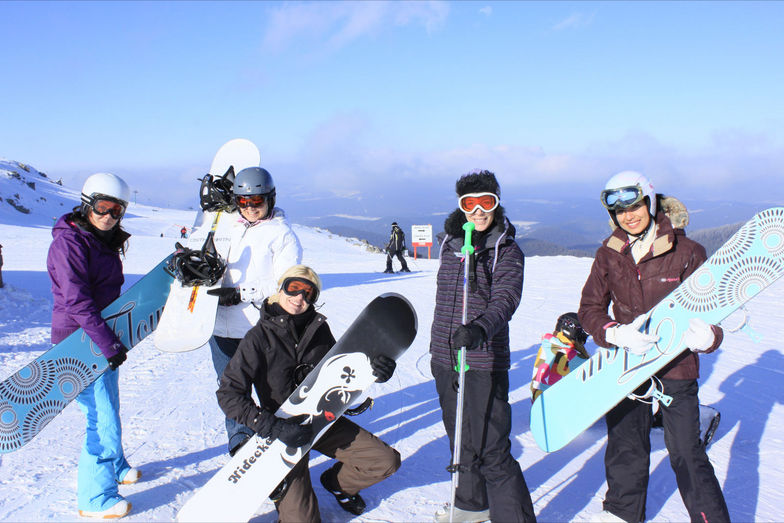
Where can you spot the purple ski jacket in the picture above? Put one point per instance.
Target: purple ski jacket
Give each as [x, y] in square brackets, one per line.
[86, 277]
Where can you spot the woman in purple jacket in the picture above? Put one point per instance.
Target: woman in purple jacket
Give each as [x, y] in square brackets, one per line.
[86, 272]
[491, 483]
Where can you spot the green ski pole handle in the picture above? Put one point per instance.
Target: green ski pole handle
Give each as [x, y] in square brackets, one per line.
[468, 248]
[460, 360]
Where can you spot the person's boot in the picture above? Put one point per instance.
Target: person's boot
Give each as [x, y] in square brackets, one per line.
[118, 510]
[350, 503]
[132, 476]
[442, 515]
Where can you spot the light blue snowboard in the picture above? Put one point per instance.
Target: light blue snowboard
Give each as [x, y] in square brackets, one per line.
[38, 392]
[750, 261]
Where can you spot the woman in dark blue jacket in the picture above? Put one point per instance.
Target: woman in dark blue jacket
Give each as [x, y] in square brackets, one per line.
[490, 478]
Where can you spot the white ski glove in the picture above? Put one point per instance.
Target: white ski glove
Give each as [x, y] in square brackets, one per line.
[699, 337]
[630, 338]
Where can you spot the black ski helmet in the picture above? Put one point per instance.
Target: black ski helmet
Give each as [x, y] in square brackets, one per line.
[569, 324]
[256, 180]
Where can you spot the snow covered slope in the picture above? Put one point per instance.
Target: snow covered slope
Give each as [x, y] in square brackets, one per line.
[173, 428]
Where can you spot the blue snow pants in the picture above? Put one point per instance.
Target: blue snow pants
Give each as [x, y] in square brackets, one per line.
[222, 350]
[102, 463]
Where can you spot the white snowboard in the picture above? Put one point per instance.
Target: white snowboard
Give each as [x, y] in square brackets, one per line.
[388, 326]
[188, 318]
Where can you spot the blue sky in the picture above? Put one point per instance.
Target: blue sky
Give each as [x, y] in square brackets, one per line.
[350, 96]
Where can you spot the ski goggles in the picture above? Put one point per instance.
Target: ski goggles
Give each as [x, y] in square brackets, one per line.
[253, 200]
[470, 202]
[102, 207]
[294, 286]
[622, 198]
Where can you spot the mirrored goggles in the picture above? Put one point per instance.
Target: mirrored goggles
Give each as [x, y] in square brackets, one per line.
[470, 202]
[253, 200]
[103, 207]
[621, 198]
[293, 286]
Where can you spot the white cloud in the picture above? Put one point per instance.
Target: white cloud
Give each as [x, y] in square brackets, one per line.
[574, 21]
[487, 10]
[336, 24]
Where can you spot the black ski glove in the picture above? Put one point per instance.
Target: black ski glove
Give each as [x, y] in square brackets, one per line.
[469, 336]
[118, 359]
[383, 367]
[290, 432]
[227, 296]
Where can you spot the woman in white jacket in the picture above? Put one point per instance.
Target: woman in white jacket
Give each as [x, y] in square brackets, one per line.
[263, 246]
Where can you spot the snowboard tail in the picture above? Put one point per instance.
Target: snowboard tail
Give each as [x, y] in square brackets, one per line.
[751, 260]
[386, 326]
[34, 395]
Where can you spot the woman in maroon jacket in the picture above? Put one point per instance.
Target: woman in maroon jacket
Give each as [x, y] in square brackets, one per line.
[644, 259]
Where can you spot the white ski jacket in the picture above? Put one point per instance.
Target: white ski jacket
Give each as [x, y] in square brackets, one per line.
[258, 256]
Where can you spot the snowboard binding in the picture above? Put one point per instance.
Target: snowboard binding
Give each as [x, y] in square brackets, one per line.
[217, 192]
[194, 267]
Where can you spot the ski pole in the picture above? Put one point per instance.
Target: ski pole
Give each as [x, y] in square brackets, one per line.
[467, 250]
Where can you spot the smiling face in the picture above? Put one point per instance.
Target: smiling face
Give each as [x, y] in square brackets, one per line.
[482, 220]
[102, 222]
[292, 304]
[254, 213]
[635, 219]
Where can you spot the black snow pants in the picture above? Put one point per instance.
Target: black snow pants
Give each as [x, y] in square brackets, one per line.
[627, 459]
[400, 258]
[489, 475]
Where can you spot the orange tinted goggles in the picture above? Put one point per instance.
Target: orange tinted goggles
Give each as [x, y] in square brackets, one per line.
[470, 202]
[293, 286]
[254, 200]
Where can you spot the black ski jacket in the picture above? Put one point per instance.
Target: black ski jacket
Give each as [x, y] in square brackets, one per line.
[397, 241]
[273, 359]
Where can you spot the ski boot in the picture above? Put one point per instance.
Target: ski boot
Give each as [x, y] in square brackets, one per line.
[350, 503]
[465, 516]
[132, 476]
[118, 510]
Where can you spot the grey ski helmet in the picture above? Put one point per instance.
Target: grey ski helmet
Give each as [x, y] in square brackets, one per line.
[256, 180]
[253, 180]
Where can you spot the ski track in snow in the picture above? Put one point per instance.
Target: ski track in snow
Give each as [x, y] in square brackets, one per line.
[173, 428]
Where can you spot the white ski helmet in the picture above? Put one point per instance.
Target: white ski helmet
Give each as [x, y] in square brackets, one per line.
[631, 180]
[105, 185]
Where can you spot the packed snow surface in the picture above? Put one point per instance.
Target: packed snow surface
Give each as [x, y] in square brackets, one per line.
[173, 428]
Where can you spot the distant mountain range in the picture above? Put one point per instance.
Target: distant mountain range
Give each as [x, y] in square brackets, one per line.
[546, 225]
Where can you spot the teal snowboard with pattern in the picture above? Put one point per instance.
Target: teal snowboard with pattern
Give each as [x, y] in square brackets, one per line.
[33, 396]
[751, 260]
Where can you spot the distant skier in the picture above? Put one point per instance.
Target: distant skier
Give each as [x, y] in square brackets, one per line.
[86, 272]
[491, 483]
[263, 246]
[183, 232]
[288, 341]
[395, 247]
[645, 258]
